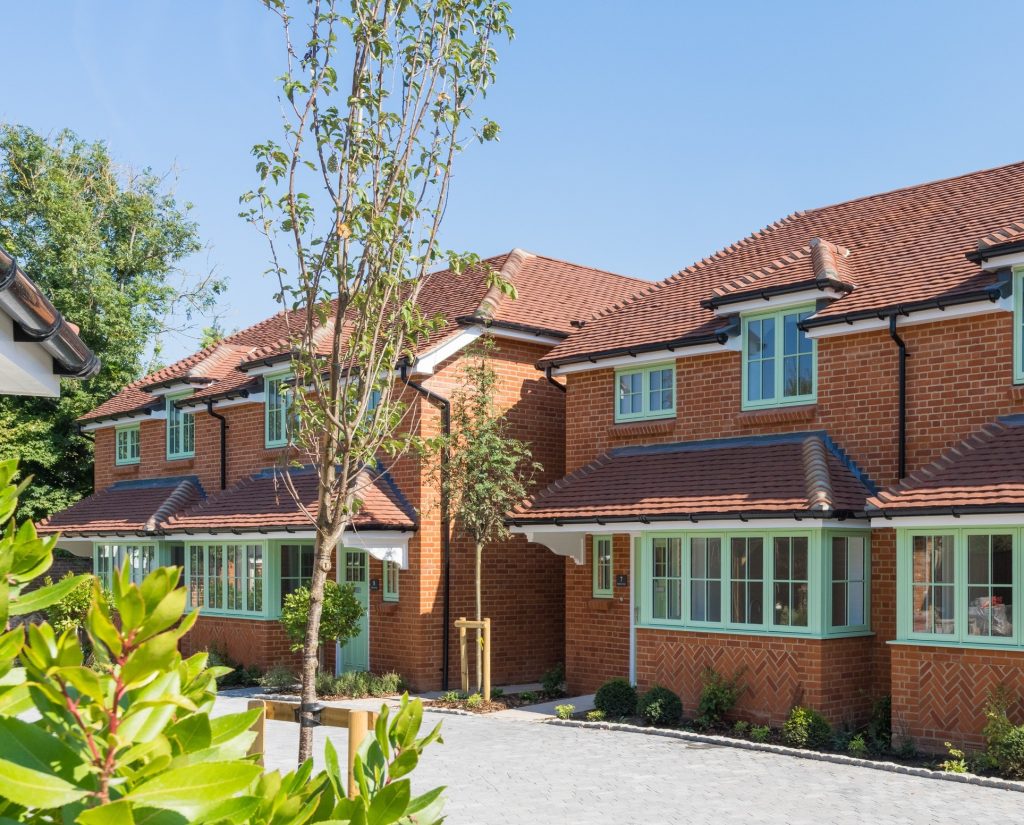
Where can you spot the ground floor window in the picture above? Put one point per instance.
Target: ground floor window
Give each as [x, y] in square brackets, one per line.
[109, 558]
[959, 586]
[226, 577]
[801, 582]
[602, 548]
[296, 567]
[391, 569]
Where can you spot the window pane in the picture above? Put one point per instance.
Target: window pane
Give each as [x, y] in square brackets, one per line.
[856, 604]
[667, 585]
[196, 577]
[933, 592]
[990, 585]
[706, 583]
[747, 584]
[839, 618]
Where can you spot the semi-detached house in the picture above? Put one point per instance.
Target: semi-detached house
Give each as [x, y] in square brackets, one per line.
[802, 458]
[188, 468]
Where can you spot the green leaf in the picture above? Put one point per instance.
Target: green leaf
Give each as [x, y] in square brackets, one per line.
[30, 746]
[192, 792]
[225, 728]
[192, 733]
[116, 813]
[389, 804]
[28, 787]
[45, 596]
[149, 658]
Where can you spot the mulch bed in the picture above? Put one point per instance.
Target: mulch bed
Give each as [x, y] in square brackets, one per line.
[506, 702]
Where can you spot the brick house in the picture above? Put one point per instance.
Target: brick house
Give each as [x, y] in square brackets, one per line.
[803, 457]
[187, 472]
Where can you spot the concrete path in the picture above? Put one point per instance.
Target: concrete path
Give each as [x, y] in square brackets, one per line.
[513, 771]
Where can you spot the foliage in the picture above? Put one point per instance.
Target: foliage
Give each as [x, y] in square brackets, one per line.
[741, 727]
[1009, 754]
[907, 749]
[450, 696]
[231, 674]
[133, 741]
[878, 733]
[760, 733]
[278, 677]
[69, 613]
[857, 746]
[956, 762]
[528, 697]
[806, 728]
[616, 697]
[342, 611]
[553, 681]
[998, 702]
[660, 706]
[718, 695]
[595, 715]
[376, 99]
[565, 711]
[105, 244]
[474, 700]
[357, 684]
[497, 693]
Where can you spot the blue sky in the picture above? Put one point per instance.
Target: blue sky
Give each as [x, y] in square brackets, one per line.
[636, 137]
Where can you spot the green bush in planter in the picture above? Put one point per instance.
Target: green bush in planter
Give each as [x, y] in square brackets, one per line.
[806, 728]
[660, 706]
[616, 697]
[1009, 753]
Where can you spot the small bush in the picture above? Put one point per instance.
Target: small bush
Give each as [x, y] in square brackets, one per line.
[528, 697]
[553, 681]
[1010, 753]
[450, 696]
[616, 697]
[595, 715]
[326, 684]
[878, 733]
[857, 746]
[565, 711]
[474, 700]
[240, 676]
[907, 749]
[497, 693]
[956, 763]
[741, 727]
[717, 697]
[660, 706]
[386, 684]
[806, 728]
[760, 733]
[997, 721]
[278, 678]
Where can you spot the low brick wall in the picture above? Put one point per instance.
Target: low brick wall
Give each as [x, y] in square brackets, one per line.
[248, 642]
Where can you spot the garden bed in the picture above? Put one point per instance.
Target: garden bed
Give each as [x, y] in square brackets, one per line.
[475, 703]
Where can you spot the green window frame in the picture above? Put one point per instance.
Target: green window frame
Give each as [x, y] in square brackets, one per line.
[109, 557]
[645, 393]
[126, 445]
[767, 582]
[780, 363]
[181, 430]
[390, 584]
[603, 571]
[959, 586]
[277, 410]
[1018, 325]
[296, 566]
[849, 575]
[229, 577]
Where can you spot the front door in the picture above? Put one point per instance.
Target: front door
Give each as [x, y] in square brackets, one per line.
[355, 655]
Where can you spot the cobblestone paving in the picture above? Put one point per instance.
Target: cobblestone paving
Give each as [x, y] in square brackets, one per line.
[514, 772]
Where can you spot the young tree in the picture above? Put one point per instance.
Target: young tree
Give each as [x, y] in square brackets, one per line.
[377, 101]
[488, 471]
[105, 244]
[339, 620]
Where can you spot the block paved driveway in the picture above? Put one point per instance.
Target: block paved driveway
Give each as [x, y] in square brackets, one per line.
[516, 772]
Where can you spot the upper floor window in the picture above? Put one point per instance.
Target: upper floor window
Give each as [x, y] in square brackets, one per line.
[647, 392]
[1018, 325]
[126, 445]
[181, 430]
[277, 410]
[779, 360]
[602, 567]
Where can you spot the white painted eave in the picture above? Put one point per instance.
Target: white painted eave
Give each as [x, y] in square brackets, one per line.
[652, 357]
[26, 368]
[924, 316]
[1002, 261]
[770, 303]
[879, 521]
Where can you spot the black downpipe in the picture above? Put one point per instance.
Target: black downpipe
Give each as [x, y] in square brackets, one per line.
[551, 379]
[444, 405]
[902, 447]
[223, 444]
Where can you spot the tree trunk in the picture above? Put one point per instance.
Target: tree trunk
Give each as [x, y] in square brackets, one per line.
[479, 618]
[311, 646]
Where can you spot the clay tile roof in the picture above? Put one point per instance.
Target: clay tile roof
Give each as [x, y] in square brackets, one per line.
[131, 507]
[262, 503]
[774, 475]
[551, 295]
[909, 245]
[983, 473]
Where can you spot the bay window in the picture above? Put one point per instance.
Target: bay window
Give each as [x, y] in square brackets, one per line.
[644, 393]
[108, 559]
[226, 577]
[706, 579]
[747, 580]
[778, 359]
[667, 578]
[790, 581]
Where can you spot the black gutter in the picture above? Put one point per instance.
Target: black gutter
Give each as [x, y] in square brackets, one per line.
[720, 337]
[799, 515]
[767, 293]
[445, 406]
[956, 512]
[902, 438]
[37, 320]
[551, 379]
[223, 443]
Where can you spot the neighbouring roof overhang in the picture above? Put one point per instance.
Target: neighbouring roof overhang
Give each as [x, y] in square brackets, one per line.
[832, 288]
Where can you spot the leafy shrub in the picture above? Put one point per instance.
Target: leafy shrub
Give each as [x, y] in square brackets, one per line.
[69, 612]
[497, 693]
[660, 706]
[997, 721]
[760, 733]
[956, 763]
[528, 697]
[806, 728]
[278, 678]
[553, 681]
[616, 697]
[231, 673]
[741, 727]
[907, 749]
[388, 684]
[450, 696]
[717, 697]
[595, 715]
[857, 746]
[878, 733]
[358, 684]
[339, 621]
[325, 684]
[565, 711]
[1009, 755]
[474, 700]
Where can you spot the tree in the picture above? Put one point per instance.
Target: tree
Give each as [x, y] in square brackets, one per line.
[105, 244]
[488, 472]
[350, 201]
[132, 740]
[339, 622]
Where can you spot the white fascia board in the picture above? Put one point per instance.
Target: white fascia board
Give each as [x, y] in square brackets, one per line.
[774, 302]
[221, 403]
[121, 421]
[653, 357]
[430, 360]
[542, 532]
[1002, 261]
[26, 368]
[385, 545]
[879, 521]
[265, 369]
[173, 389]
[925, 316]
[520, 335]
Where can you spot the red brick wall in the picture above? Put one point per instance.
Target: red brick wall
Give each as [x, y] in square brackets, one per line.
[258, 642]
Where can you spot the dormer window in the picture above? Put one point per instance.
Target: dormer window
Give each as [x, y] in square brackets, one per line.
[276, 410]
[181, 430]
[126, 445]
[779, 360]
[645, 393]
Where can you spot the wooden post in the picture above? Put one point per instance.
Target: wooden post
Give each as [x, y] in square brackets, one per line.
[260, 726]
[358, 726]
[464, 653]
[487, 660]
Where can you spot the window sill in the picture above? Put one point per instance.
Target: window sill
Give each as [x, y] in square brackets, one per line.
[777, 415]
[601, 603]
[734, 631]
[182, 457]
[972, 646]
[1016, 391]
[630, 429]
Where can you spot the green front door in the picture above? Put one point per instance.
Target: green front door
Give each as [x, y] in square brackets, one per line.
[355, 655]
